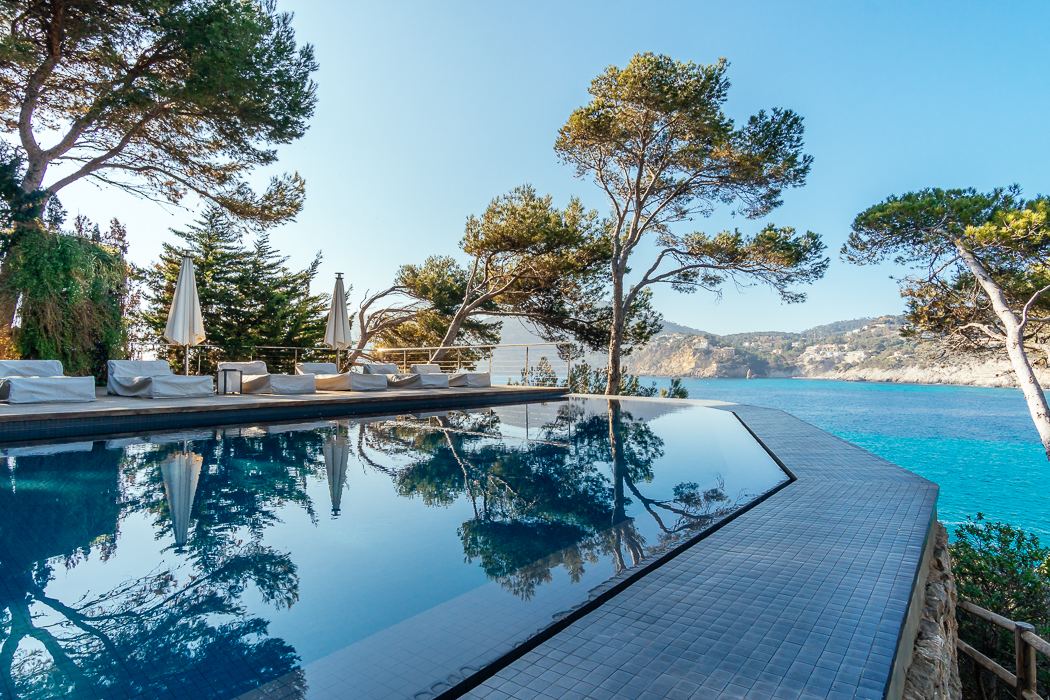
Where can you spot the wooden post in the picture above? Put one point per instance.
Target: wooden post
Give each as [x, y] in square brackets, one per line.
[1024, 659]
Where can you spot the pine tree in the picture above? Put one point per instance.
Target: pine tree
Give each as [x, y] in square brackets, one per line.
[249, 297]
[213, 242]
[274, 305]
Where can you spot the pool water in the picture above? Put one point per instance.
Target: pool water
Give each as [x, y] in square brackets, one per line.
[362, 557]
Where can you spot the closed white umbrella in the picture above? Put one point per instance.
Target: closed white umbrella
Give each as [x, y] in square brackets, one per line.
[337, 333]
[185, 322]
[336, 453]
[181, 471]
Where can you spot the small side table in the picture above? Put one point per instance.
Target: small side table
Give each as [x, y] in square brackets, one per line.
[230, 381]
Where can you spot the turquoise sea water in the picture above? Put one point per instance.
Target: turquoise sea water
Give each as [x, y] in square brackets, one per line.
[977, 443]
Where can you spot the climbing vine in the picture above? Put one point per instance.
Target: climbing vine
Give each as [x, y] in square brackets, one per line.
[73, 295]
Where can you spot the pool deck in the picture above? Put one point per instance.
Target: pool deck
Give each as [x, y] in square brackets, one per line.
[810, 594]
[117, 414]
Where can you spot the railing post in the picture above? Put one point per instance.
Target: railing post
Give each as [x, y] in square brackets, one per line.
[1024, 659]
[568, 367]
[525, 372]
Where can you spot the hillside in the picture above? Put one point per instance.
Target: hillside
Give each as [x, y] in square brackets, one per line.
[869, 349]
[866, 349]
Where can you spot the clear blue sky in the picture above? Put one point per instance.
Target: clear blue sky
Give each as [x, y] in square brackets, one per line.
[428, 110]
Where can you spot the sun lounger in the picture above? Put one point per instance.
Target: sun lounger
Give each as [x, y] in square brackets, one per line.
[430, 376]
[393, 378]
[256, 379]
[330, 378]
[455, 379]
[42, 381]
[153, 379]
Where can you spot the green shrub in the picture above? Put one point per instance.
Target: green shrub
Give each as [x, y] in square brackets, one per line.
[1006, 570]
[73, 291]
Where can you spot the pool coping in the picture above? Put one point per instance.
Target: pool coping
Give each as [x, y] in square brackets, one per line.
[621, 582]
[833, 481]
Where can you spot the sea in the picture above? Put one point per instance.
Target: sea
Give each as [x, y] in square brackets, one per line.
[977, 443]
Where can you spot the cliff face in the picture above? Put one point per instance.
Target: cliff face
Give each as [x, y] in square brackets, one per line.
[864, 349]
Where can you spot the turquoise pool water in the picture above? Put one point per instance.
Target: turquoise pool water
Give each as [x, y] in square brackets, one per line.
[351, 558]
[977, 443]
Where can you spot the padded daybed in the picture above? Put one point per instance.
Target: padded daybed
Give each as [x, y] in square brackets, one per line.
[153, 379]
[42, 381]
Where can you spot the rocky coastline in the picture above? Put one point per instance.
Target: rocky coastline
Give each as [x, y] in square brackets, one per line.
[864, 350]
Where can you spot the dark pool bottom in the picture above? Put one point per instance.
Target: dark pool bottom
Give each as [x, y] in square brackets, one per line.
[378, 557]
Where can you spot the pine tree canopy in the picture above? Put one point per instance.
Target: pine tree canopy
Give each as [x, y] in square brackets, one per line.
[249, 295]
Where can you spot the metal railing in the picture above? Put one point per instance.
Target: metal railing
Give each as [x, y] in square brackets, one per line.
[1025, 676]
[544, 364]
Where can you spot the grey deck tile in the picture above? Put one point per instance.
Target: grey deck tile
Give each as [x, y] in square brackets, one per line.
[804, 595]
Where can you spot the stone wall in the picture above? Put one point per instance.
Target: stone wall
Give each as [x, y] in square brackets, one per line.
[934, 670]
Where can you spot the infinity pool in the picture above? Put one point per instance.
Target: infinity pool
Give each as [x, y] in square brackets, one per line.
[368, 557]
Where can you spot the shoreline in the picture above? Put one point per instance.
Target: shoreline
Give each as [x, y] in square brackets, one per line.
[855, 380]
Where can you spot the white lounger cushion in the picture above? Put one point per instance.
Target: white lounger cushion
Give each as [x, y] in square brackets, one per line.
[47, 389]
[30, 368]
[380, 368]
[466, 379]
[255, 367]
[41, 381]
[402, 381]
[256, 379]
[472, 380]
[316, 368]
[432, 381]
[153, 379]
[327, 376]
[367, 382]
[292, 384]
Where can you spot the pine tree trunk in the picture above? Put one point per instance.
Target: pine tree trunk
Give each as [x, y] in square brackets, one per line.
[452, 333]
[615, 371]
[617, 458]
[1022, 366]
[1032, 390]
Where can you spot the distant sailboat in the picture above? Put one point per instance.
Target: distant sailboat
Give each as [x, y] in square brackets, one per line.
[749, 375]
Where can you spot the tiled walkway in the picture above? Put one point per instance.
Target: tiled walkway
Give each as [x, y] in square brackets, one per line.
[802, 596]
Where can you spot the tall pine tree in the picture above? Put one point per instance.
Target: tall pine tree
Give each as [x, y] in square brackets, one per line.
[249, 296]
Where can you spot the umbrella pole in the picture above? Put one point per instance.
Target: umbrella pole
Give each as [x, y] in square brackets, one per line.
[187, 363]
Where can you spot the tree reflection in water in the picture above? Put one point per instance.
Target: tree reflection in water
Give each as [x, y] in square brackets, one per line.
[562, 500]
[557, 501]
[182, 629]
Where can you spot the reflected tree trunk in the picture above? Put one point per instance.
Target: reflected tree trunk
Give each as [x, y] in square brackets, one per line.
[617, 460]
